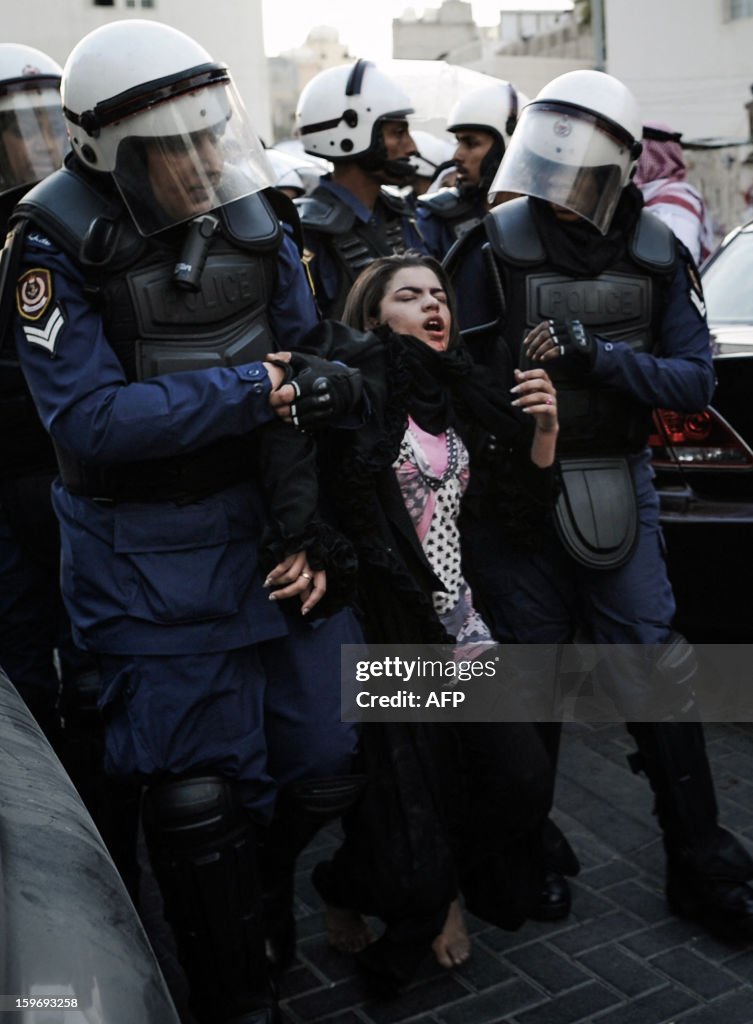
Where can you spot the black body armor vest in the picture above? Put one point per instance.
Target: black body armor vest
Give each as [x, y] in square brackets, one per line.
[353, 244]
[624, 304]
[459, 212]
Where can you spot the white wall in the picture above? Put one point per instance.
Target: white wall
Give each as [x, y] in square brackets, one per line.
[685, 64]
[231, 30]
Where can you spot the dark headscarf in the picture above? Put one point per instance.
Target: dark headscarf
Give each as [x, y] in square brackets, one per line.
[429, 399]
[577, 247]
[445, 386]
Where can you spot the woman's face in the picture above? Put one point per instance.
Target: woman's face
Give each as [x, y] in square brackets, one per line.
[415, 303]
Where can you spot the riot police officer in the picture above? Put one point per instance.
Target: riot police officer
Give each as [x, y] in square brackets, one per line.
[57, 680]
[482, 121]
[356, 117]
[153, 277]
[574, 276]
[33, 627]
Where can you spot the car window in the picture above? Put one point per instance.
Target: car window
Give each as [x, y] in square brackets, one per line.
[727, 282]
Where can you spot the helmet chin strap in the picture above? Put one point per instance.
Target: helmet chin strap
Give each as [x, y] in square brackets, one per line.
[490, 164]
[398, 172]
[402, 170]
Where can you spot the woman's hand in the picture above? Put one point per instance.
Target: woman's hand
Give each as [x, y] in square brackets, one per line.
[536, 395]
[293, 576]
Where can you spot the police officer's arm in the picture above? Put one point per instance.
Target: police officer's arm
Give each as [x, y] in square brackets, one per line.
[82, 394]
[680, 377]
[292, 310]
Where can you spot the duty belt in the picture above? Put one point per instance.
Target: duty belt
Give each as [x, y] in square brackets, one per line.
[183, 478]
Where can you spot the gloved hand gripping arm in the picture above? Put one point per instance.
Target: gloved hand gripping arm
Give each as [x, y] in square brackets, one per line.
[325, 392]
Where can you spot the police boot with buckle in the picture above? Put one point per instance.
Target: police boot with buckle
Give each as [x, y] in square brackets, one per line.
[723, 906]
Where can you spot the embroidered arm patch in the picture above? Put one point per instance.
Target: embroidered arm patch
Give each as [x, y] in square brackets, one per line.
[33, 301]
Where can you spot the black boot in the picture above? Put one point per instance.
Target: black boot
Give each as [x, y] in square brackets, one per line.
[551, 899]
[707, 868]
[202, 845]
[302, 809]
[709, 884]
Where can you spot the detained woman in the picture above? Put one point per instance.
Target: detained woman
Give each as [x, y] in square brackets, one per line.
[448, 807]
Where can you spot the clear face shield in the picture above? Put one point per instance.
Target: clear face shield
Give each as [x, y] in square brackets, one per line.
[33, 138]
[569, 157]
[186, 156]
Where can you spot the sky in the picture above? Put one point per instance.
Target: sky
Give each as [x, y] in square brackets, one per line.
[366, 27]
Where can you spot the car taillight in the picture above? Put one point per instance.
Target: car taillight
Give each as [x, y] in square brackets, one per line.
[697, 440]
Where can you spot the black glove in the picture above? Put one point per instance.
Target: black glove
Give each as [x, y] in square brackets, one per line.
[325, 391]
[573, 338]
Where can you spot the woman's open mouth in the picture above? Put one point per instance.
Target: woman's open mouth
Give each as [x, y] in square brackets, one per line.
[435, 330]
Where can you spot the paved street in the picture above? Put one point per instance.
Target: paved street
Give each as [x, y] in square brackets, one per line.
[621, 958]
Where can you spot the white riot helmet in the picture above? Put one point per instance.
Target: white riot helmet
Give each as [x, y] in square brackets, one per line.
[575, 146]
[147, 104]
[494, 109]
[340, 114]
[32, 129]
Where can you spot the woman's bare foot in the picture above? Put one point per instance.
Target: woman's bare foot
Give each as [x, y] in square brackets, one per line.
[452, 946]
[347, 932]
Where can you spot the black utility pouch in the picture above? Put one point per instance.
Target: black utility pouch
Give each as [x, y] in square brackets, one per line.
[596, 512]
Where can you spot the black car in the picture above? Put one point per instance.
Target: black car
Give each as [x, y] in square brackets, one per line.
[704, 464]
[72, 948]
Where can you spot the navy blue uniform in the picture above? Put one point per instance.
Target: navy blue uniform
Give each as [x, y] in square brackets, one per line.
[638, 293]
[664, 363]
[34, 631]
[198, 667]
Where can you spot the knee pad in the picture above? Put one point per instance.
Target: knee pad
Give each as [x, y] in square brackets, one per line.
[187, 814]
[325, 798]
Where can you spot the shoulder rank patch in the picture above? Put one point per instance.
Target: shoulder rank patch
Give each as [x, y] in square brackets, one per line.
[33, 298]
[696, 291]
[34, 293]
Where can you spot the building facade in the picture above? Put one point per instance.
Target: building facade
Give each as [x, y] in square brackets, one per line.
[231, 30]
[291, 70]
[436, 34]
[696, 75]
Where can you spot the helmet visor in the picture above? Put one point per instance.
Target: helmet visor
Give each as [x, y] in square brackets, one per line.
[569, 157]
[32, 137]
[187, 156]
